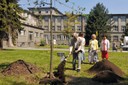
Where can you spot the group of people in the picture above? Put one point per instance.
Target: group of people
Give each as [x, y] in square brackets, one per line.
[77, 49]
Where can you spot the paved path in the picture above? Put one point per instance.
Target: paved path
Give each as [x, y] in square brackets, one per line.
[32, 48]
[57, 49]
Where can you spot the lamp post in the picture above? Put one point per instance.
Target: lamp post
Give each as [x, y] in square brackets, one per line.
[51, 44]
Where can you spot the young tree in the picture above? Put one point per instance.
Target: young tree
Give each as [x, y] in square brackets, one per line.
[70, 23]
[98, 22]
[9, 20]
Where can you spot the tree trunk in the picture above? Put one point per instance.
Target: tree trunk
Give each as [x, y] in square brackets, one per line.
[10, 40]
[10, 43]
[1, 44]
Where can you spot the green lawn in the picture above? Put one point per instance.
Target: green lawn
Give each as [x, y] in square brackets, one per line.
[42, 58]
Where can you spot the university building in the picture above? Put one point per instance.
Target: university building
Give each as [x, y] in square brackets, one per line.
[119, 26]
[31, 34]
[37, 27]
[58, 23]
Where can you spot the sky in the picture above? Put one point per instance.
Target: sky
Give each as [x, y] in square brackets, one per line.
[114, 6]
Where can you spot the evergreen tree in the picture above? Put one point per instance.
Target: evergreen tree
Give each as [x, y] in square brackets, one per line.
[98, 22]
[9, 20]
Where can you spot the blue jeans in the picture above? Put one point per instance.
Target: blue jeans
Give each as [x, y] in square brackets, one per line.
[74, 60]
[77, 56]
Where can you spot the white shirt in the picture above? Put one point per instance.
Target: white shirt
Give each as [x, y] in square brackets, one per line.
[80, 44]
[105, 45]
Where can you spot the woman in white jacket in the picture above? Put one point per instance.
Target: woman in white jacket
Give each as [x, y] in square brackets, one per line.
[104, 46]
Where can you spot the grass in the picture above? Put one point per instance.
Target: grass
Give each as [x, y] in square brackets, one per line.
[42, 60]
[55, 46]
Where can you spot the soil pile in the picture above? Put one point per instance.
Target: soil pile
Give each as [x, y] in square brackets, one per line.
[106, 65]
[106, 72]
[58, 77]
[107, 77]
[20, 67]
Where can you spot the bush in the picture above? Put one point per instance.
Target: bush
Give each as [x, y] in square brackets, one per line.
[42, 43]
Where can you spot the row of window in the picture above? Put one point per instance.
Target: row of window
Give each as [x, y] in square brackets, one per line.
[36, 34]
[56, 37]
[123, 18]
[59, 28]
[46, 19]
[116, 28]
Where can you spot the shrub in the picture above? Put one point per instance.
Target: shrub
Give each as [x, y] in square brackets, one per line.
[42, 43]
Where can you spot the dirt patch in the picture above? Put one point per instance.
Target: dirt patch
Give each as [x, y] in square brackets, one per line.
[20, 67]
[106, 72]
[58, 76]
[107, 77]
[106, 65]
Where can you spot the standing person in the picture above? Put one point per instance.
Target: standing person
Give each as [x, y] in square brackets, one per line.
[104, 46]
[80, 50]
[93, 48]
[114, 46]
[72, 49]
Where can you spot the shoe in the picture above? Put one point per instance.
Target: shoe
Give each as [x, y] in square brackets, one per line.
[74, 68]
[78, 70]
[82, 62]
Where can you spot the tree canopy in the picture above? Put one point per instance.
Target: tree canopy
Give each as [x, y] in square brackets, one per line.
[9, 18]
[97, 22]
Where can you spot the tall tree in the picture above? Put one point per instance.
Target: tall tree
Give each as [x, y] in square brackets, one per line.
[98, 22]
[9, 20]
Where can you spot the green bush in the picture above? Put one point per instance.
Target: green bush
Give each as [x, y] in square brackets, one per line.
[42, 43]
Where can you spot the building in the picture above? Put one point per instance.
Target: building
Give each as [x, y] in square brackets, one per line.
[119, 26]
[58, 23]
[31, 34]
[37, 26]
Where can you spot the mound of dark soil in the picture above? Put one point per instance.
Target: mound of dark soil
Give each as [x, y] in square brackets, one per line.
[20, 67]
[106, 65]
[58, 76]
[107, 77]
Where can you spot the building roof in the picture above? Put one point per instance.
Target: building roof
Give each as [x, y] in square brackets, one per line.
[32, 8]
[33, 26]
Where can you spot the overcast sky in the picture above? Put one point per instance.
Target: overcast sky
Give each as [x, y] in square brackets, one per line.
[114, 6]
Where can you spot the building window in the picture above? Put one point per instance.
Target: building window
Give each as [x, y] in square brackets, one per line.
[46, 28]
[73, 27]
[115, 18]
[79, 19]
[46, 37]
[58, 37]
[53, 36]
[59, 19]
[53, 19]
[115, 38]
[46, 11]
[30, 35]
[46, 19]
[123, 28]
[78, 28]
[22, 32]
[39, 12]
[53, 28]
[65, 27]
[41, 35]
[123, 19]
[36, 34]
[58, 28]
[115, 28]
